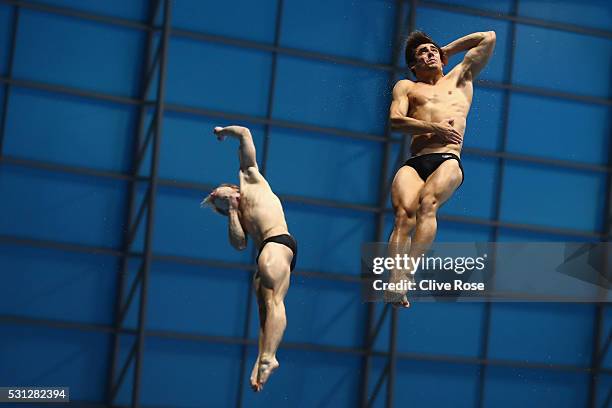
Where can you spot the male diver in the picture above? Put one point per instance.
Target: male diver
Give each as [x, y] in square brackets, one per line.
[253, 209]
[433, 109]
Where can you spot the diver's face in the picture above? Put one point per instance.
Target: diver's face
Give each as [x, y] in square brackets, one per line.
[427, 58]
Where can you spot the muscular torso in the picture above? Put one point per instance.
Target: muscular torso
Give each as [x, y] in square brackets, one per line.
[449, 98]
[261, 212]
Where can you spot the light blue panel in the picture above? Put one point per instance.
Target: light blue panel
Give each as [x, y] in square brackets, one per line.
[329, 239]
[554, 60]
[308, 379]
[321, 312]
[70, 130]
[427, 384]
[185, 298]
[559, 129]
[427, 326]
[554, 197]
[324, 166]
[511, 387]
[547, 333]
[191, 152]
[44, 357]
[458, 25]
[133, 10]
[218, 77]
[62, 207]
[6, 27]
[183, 228]
[361, 30]
[177, 372]
[484, 122]
[244, 19]
[503, 6]
[591, 13]
[476, 196]
[323, 94]
[43, 283]
[94, 57]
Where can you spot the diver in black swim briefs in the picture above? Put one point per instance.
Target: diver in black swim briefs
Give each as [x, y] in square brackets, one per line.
[254, 210]
[433, 109]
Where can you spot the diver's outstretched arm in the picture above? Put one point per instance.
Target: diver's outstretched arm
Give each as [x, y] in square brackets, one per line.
[246, 152]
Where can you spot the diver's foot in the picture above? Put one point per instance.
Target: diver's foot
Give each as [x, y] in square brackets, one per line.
[266, 367]
[254, 373]
[396, 299]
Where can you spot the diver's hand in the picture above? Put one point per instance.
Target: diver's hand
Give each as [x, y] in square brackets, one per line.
[233, 202]
[446, 130]
[230, 131]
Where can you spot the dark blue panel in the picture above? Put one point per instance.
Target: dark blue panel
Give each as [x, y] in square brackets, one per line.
[607, 328]
[603, 389]
[511, 387]
[455, 232]
[330, 240]
[2, 90]
[62, 207]
[503, 6]
[426, 384]
[484, 123]
[186, 298]
[218, 77]
[54, 357]
[458, 25]
[361, 30]
[590, 13]
[476, 197]
[308, 379]
[69, 130]
[556, 60]
[80, 54]
[543, 335]
[323, 166]
[57, 285]
[134, 9]
[321, 312]
[426, 329]
[511, 235]
[188, 374]
[537, 195]
[238, 19]
[191, 152]
[6, 26]
[320, 93]
[183, 228]
[562, 129]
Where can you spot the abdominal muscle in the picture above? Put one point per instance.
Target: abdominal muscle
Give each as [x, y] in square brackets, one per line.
[432, 143]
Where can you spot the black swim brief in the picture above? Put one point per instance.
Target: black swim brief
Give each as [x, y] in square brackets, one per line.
[284, 239]
[425, 164]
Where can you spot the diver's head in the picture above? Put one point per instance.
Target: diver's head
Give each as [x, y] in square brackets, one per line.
[423, 55]
[219, 199]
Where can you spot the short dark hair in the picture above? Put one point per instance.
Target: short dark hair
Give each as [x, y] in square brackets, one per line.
[413, 41]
